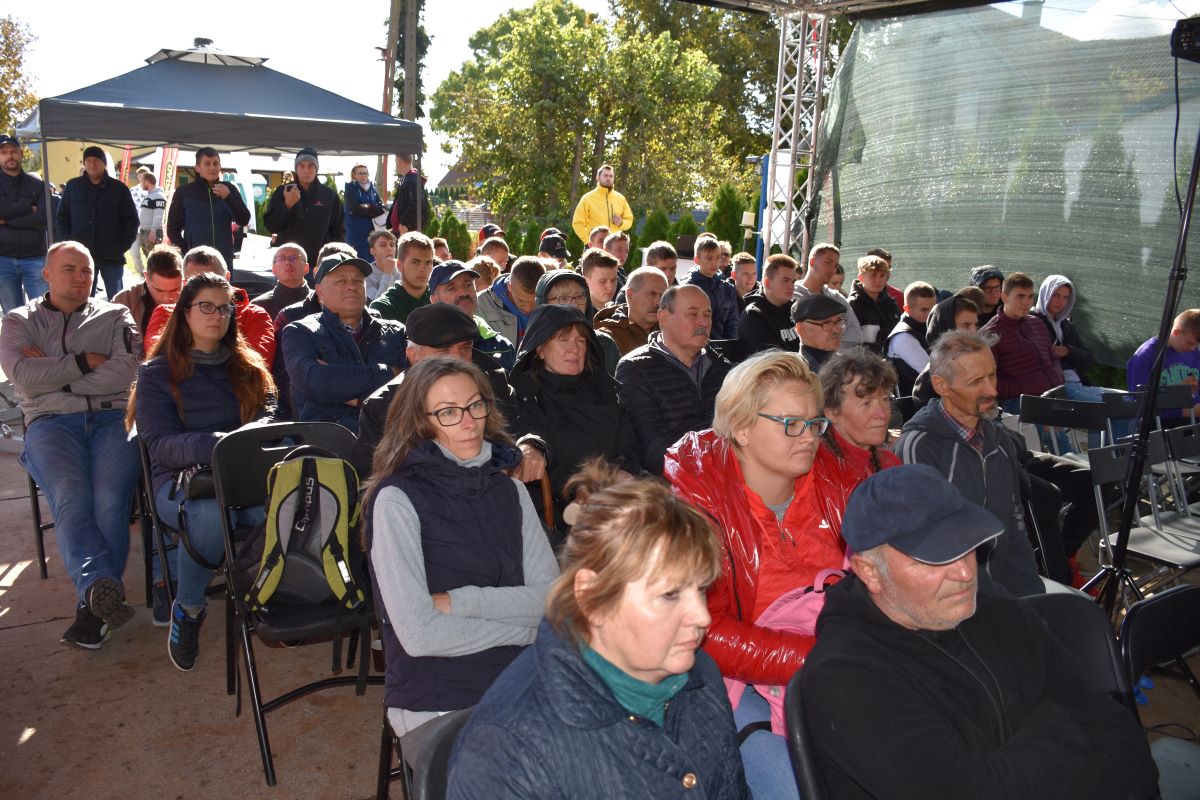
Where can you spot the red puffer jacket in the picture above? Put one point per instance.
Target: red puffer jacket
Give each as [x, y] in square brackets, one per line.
[702, 468]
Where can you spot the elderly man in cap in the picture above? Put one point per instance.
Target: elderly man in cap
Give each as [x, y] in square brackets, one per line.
[335, 359]
[306, 211]
[97, 211]
[820, 323]
[554, 246]
[22, 229]
[919, 686]
[443, 329]
[822, 266]
[453, 282]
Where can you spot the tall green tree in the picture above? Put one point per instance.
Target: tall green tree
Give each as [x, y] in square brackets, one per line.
[16, 84]
[550, 92]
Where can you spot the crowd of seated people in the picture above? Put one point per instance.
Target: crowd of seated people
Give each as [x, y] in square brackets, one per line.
[651, 659]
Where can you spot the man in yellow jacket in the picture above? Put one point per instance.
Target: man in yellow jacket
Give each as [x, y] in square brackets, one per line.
[603, 205]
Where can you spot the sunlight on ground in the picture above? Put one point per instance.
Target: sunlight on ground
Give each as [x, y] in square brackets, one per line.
[26, 735]
[8, 576]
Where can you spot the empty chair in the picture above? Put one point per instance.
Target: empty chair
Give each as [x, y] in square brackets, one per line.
[1062, 414]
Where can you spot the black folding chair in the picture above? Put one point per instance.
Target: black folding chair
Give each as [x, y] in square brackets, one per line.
[39, 526]
[1061, 414]
[807, 769]
[241, 461]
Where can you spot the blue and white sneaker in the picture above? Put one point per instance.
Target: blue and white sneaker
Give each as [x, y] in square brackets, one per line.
[183, 642]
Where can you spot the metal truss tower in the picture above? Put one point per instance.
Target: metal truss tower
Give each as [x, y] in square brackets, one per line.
[795, 131]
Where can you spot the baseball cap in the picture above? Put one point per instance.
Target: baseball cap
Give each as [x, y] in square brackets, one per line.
[439, 325]
[488, 231]
[336, 260]
[8, 139]
[555, 246]
[448, 271]
[914, 509]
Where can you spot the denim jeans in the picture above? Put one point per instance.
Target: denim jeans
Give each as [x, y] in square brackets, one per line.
[17, 271]
[204, 532]
[87, 469]
[765, 756]
[113, 274]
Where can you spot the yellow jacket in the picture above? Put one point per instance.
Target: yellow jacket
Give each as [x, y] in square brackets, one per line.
[598, 207]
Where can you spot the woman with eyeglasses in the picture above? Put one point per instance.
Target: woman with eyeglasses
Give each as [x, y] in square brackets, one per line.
[201, 381]
[459, 562]
[777, 498]
[564, 395]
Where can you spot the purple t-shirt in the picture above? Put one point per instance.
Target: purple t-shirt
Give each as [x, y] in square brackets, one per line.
[1177, 368]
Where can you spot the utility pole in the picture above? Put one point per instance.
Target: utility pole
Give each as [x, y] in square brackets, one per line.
[411, 7]
[389, 78]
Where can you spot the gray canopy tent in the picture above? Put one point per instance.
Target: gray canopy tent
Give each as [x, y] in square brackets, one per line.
[202, 97]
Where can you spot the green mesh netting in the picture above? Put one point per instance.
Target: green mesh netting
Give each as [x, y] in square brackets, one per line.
[1034, 137]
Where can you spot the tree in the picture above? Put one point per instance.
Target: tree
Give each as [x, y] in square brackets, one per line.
[457, 237]
[656, 227]
[550, 92]
[684, 226]
[725, 218]
[533, 234]
[432, 227]
[17, 99]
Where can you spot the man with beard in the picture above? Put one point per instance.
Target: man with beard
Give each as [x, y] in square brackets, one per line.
[959, 436]
[603, 205]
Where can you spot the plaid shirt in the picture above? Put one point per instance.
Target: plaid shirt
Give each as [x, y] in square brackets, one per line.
[971, 436]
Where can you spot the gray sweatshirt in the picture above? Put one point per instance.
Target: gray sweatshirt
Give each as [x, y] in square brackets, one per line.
[481, 617]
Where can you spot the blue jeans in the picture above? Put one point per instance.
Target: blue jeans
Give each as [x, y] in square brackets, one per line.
[17, 271]
[1095, 394]
[204, 532]
[113, 274]
[87, 469]
[765, 756]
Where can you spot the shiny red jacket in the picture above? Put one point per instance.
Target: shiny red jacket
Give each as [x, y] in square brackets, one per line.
[702, 469]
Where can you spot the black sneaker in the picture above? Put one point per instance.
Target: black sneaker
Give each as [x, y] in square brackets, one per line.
[162, 605]
[106, 600]
[183, 643]
[87, 632]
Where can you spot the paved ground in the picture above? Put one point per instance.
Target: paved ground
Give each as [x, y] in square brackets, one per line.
[123, 723]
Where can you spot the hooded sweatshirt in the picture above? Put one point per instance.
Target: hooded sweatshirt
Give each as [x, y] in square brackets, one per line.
[993, 708]
[1062, 331]
[765, 325]
[612, 353]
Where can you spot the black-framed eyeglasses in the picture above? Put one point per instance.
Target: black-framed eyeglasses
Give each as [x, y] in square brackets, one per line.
[212, 308]
[566, 299]
[798, 426]
[829, 325]
[450, 416]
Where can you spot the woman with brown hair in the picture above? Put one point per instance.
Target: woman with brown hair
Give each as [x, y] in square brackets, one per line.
[615, 698]
[459, 561]
[857, 387]
[202, 381]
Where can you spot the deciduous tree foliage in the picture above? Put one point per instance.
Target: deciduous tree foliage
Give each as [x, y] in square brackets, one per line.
[551, 92]
[16, 86]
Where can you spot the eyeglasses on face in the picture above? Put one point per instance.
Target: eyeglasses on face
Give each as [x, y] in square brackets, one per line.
[450, 416]
[565, 299]
[289, 259]
[797, 426]
[829, 324]
[212, 308]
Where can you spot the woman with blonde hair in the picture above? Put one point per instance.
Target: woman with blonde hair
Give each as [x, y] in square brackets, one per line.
[615, 698]
[777, 497]
[459, 562]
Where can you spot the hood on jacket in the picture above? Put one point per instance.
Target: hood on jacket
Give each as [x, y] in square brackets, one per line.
[546, 321]
[1048, 288]
[554, 276]
[985, 273]
[761, 302]
[941, 320]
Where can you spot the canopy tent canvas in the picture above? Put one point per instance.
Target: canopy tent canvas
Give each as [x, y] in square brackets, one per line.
[197, 98]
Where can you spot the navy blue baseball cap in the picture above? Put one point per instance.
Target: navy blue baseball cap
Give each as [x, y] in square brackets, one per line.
[914, 509]
[448, 271]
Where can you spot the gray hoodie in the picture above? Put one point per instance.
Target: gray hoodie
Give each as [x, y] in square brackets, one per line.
[60, 382]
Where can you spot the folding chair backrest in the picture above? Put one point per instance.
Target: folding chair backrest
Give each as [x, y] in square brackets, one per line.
[431, 773]
[242, 459]
[1084, 630]
[809, 778]
[1061, 413]
[1183, 442]
[1108, 464]
[1160, 628]
[1173, 398]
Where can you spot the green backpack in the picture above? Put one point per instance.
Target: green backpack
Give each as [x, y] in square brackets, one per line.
[312, 511]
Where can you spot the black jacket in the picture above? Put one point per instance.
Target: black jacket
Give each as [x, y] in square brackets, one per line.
[906, 373]
[578, 416]
[314, 221]
[995, 708]
[764, 325]
[100, 216]
[411, 206]
[198, 217]
[663, 399]
[1079, 358]
[881, 311]
[23, 209]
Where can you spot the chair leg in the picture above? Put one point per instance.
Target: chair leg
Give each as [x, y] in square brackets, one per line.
[260, 720]
[35, 509]
[230, 649]
[383, 778]
[142, 509]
